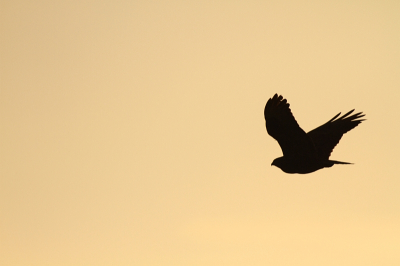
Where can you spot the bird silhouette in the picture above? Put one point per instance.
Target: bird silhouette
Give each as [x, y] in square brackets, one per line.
[303, 152]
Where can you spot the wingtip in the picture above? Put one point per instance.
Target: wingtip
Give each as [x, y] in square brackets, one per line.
[349, 116]
[275, 101]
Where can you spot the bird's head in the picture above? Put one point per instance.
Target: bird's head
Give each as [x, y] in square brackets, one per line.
[285, 165]
[279, 162]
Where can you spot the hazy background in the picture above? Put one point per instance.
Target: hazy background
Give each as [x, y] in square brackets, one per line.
[132, 132]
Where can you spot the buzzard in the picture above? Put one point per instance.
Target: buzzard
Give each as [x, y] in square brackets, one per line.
[303, 152]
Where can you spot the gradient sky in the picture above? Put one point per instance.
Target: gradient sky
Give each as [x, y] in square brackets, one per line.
[132, 132]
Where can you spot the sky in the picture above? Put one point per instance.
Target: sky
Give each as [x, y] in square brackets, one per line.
[132, 132]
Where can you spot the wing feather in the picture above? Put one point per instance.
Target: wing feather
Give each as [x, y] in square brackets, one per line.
[327, 136]
[282, 126]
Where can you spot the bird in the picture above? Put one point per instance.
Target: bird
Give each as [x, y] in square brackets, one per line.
[303, 152]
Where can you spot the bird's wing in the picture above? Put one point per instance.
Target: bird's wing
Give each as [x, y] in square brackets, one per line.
[282, 126]
[327, 136]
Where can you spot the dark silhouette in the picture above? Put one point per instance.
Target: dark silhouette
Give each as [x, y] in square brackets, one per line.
[305, 152]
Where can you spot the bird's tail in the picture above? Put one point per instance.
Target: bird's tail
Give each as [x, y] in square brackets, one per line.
[338, 162]
[332, 162]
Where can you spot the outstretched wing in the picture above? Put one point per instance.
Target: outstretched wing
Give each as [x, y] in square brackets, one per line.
[327, 136]
[282, 126]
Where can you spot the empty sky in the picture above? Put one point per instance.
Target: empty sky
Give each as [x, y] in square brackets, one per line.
[132, 132]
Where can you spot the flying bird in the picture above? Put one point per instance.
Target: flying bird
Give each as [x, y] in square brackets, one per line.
[303, 152]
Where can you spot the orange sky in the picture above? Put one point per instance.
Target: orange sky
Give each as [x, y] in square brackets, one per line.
[132, 132]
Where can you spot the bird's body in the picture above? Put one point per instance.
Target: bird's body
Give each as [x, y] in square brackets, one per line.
[305, 152]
